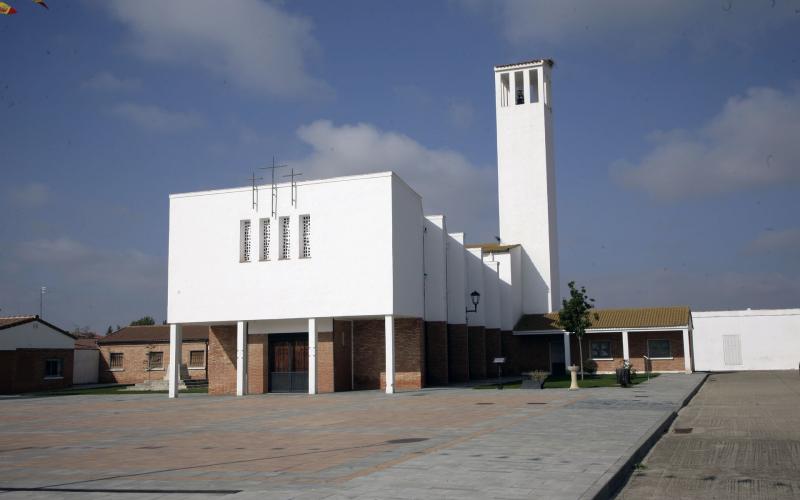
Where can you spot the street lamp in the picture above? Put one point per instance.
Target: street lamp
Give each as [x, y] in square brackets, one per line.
[476, 298]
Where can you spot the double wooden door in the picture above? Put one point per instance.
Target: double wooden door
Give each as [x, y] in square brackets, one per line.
[288, 362]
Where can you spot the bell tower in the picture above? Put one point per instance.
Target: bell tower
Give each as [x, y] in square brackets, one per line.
[526, 178]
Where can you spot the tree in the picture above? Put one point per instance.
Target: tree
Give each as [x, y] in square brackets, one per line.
[576, 315]
[109, 331]
[144, 321]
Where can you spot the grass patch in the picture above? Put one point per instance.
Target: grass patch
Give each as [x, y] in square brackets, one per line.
[117, 390]
[563, 382]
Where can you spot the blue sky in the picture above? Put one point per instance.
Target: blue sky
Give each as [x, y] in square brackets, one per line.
[677, 127]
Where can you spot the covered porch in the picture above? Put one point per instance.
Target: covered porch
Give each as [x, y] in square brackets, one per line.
[314, 355]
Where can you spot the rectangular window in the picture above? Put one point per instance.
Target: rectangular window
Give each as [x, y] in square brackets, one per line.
[505, 90]
[658, 349]
[155, 360]
[601, 349]
[245, 241]
[54, 368]
[286, 241]
[197, 359]
[265, 239]
[533, 85]
[732, 349]
[115, 363]
[305, 236]
[519, 87]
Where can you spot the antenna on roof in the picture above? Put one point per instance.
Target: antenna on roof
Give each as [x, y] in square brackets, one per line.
[253, 179]
[294, 186]
[274, 186]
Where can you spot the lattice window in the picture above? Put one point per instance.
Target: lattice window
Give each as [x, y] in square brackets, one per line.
[155, 360]
[305, 240]
[115, 363]
[265, 239]
[54, 368]
[286, 241]
[197, 359]
[246, 241]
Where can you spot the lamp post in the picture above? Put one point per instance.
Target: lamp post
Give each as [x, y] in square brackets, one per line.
[476, 298]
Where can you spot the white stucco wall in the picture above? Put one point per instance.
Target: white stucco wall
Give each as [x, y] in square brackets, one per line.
[526, 187]
[435, 268]
[491, 299]
[510, 287]
[769, 339]
[475, 271]
[34, 335]
[407, 234]
[456, 279]
[86, 366]
[363, 230]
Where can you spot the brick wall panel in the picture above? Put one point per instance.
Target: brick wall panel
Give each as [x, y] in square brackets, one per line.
[325, 376]
[457, 353]
[341, 355]
[30, 369]
[222, 360]
[436, 353]
[492, 350]
[477, 352]
[134, 363]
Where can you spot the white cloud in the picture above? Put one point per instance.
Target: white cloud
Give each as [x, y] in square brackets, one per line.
[29, 195]
[448, 183]
[86, 284]
[751, 142]
[774, 242]
[156, 119]
[633, 24]
[255, 44]
[108, 82]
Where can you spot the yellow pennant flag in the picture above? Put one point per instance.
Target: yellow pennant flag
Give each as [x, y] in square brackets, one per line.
[6, 10]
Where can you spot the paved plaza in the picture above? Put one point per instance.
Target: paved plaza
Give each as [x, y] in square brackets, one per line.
[436, 443]
[739, 438]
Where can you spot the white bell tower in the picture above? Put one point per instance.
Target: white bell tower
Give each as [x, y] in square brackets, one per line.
[526, 178]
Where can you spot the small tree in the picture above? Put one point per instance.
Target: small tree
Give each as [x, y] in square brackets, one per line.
[109, 331]
[144, 321]
[576, 315]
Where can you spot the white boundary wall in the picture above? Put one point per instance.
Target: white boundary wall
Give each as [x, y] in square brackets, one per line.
[767, 339]
[85, 369]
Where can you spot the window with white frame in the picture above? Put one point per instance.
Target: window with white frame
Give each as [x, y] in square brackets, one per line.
[659, 348]
[286, 238]
[305, 236]
[265, 239]
[155, 360]
[54, 368]
[601, 349]
[197, 359]
[245, 241]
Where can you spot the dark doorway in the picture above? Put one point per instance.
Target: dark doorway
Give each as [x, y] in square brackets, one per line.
[288, 362]
[557, 364]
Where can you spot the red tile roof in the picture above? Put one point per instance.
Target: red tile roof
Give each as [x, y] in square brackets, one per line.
[12, 321]
[153, 333]
[639, 317]
[84, 344]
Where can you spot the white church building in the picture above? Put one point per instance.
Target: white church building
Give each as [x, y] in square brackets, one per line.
[345, 283]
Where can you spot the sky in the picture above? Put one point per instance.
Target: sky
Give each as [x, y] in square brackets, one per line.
[677, 134]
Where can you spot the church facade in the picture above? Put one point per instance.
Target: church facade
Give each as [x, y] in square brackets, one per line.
[344, 283]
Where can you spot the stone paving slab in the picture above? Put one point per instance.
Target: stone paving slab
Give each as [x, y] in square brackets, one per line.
[739, 438]
[452, 443]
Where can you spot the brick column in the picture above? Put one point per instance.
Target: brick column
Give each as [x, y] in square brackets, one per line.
[477, 352]
[457, 353]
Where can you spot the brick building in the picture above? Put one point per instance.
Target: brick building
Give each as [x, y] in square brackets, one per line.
[34, 355]
[140, 354]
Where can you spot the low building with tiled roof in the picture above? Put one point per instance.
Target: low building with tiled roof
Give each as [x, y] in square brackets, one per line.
[35, 355]
[652, 338]
[140, 354]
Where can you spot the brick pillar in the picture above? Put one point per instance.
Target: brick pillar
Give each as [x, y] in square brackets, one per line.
[409, 356]
[492, 350]
[222, 360]
[257, 366]
[325, 375]
[457, 353]
[342, 359]
[436, 353]
[477, 352]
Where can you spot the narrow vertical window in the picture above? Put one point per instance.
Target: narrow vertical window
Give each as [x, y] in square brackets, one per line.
[519, 87]
[533, 85]
[286, 241]
[305, 236]
[504, 90]
[245, 241]
[265, 239]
